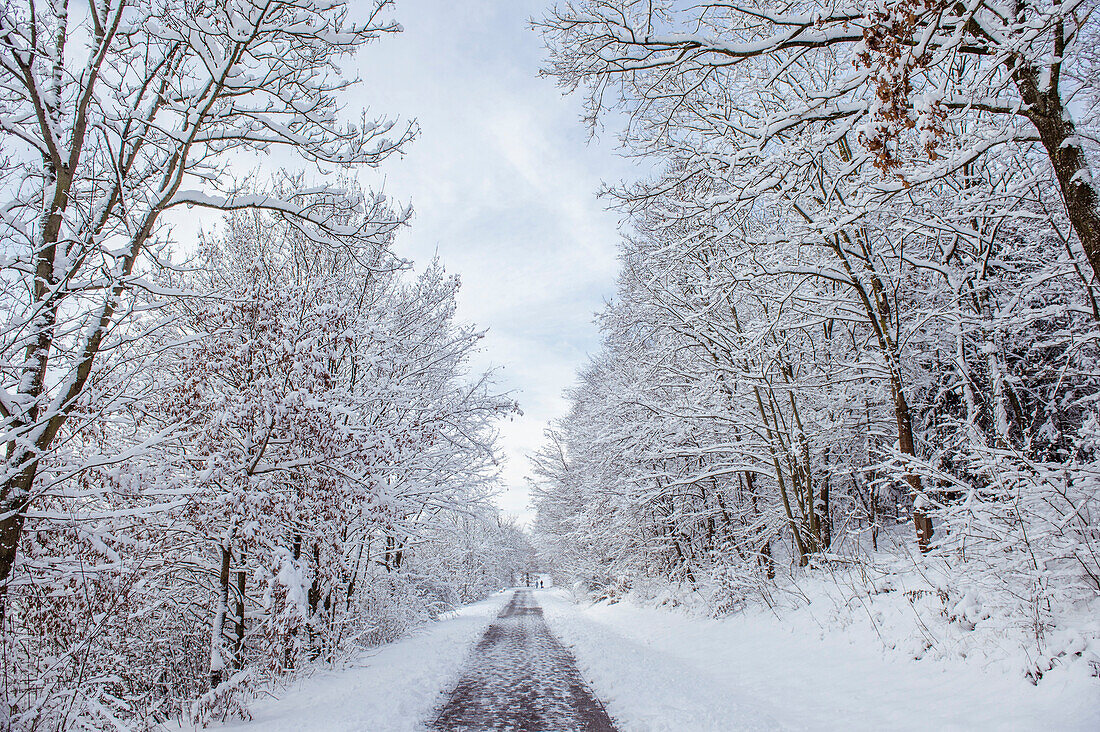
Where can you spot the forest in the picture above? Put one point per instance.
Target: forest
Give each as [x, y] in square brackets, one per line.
[852, 358]
[855, 336]
[229, 456]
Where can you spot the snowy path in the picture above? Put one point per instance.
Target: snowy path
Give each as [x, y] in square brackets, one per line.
[658, 671]
[522, 678]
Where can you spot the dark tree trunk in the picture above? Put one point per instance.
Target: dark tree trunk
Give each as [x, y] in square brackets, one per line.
[314, 600]
[238, 645]
[217, 675]
[1059, 136]
[922, 522]
[13, 510]
[288, 651]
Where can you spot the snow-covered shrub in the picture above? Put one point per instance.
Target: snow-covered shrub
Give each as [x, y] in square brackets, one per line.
[390, 608]
[737, 586]
[286, 611]
[1027, 544]
[228, 700]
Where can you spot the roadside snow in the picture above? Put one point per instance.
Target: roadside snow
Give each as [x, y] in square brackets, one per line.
[658, 670]
[395, 688]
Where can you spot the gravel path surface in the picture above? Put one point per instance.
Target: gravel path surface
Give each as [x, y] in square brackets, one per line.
[522, 678]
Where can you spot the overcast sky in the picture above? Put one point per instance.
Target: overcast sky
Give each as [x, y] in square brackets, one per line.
[503, 179]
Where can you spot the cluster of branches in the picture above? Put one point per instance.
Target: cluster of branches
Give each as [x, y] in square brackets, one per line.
[229, 464]
[861, 289]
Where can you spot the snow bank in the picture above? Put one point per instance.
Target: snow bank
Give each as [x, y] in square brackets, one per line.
[658, 669]
[394, 688]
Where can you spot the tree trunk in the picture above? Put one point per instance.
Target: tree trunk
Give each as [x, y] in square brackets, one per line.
[217, 631]
[238, 644]
[922, 522]
[764, 553]
[13, 510]
[288, 649]
[803, 553]
[1059, 136]
[877, 307]
[314, 600]
[879, 314]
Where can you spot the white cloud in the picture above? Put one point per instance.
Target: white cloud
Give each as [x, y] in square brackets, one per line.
[504, 186]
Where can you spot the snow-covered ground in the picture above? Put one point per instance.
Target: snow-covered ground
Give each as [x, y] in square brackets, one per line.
[659, 669]
[390, 689]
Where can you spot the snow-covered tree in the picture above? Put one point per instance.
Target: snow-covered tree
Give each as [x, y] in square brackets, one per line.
[220, 454]
[116, 113]
[859, 287]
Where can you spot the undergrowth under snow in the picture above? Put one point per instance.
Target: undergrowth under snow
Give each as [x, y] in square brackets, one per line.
[393, 688]
[846, 647]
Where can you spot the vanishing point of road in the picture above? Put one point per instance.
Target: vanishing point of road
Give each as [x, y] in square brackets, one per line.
[521, 678]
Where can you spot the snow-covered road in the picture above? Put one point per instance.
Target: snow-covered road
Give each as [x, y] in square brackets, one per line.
[659, 670]
[520, 677]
